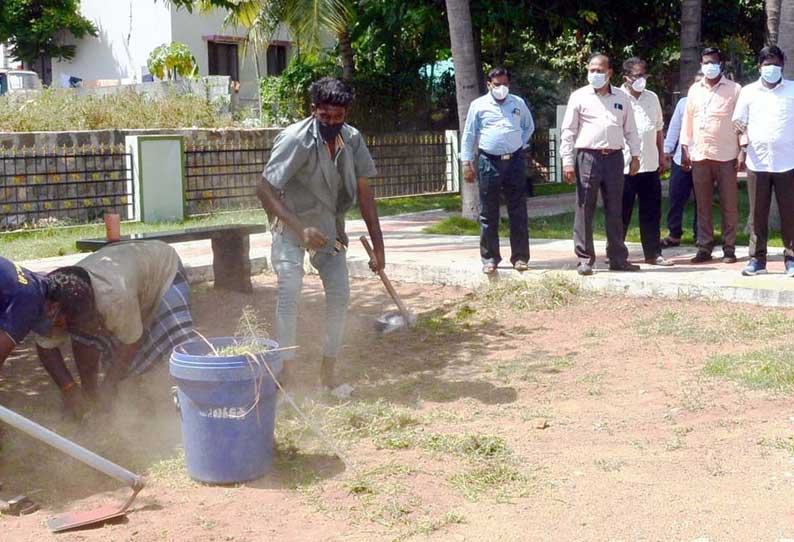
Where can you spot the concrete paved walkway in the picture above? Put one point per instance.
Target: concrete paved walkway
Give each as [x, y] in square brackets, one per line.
[454, 260]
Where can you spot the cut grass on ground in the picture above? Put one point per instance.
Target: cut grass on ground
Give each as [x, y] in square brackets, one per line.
[550, 291]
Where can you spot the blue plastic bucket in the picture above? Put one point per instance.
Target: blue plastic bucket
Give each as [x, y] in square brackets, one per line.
[227, 433]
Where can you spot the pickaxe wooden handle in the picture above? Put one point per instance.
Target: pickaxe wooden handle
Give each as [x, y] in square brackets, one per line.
[386, 282]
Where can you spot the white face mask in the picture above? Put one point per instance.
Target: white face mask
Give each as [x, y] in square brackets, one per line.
[597, 80]
[711, 71]
[639, 84]
[500, 92]
[772, 74]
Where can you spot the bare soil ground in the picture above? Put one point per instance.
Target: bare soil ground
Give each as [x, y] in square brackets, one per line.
[505, 415]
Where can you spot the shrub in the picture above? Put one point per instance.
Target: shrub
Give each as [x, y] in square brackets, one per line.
[64, 109]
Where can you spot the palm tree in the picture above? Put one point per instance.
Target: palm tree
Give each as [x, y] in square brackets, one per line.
[786, 35]
[691, 14]
[466, 82]
[772, 21]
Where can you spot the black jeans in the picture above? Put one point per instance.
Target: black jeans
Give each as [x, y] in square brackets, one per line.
[783, 185]
[680, 190]
[647, 188]
[497, 177]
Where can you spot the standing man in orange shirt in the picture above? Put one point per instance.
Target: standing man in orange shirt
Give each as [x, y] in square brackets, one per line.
[710, 144]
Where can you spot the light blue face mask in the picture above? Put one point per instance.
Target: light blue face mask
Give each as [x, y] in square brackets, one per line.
[597, 80]
[711, 71]
[772, 74]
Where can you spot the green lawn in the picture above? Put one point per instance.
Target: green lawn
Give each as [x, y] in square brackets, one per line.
[552, 189]
[561, 226]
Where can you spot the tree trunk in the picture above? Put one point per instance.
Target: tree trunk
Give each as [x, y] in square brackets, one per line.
[346, 53]
[466, 83]
[691, 13]
[772, 21]
[786, 35]
[477, 33]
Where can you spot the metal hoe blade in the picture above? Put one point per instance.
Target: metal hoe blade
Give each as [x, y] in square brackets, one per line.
[103, 514]
[78, 519]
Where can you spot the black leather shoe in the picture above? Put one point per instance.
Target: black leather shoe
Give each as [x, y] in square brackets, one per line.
[729, 257]
[701, 257]
[625, 266]
[584, 269]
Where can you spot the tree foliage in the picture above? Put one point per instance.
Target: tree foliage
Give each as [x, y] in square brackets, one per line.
[544, 42]
[35, 28]
[171, 61]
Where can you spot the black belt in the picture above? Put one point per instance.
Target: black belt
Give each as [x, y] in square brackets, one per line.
[499, 156]
[603, 152]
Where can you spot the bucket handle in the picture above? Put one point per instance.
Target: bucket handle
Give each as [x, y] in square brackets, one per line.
[175, 397]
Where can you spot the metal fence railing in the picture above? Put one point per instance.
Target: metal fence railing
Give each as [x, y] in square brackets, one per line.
[411, 164]
[223, 177]
[40, 186]
[542, 158]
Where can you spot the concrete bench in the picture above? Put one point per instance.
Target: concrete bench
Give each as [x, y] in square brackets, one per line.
[230, 244]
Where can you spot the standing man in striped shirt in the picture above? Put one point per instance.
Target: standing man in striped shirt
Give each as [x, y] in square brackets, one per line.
[500, 125]
[598, 120]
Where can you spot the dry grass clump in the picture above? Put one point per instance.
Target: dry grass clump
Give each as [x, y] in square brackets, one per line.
[64, 110]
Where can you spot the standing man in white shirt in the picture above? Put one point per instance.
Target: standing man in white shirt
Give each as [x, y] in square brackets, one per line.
[500, 125]
[680, 178]
[597, 122]
[764, 116]
[646, 185]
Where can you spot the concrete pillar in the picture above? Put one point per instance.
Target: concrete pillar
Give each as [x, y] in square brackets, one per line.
[453, 160]
[158, 172]
[556, 139]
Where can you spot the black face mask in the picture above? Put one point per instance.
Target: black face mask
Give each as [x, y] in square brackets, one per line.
[329, 131]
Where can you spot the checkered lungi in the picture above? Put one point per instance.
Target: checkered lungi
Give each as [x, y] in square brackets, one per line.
[171, 326]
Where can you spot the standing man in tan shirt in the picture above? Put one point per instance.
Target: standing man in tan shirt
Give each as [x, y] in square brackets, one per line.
[598, 120]
[710, 144]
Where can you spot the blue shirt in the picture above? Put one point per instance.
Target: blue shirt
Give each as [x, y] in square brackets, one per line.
[22, 297]
[672, 139]
[502, 128]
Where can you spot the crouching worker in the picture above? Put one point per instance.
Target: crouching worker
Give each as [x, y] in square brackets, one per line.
[317, 171]
[23, 306]
[124, 307]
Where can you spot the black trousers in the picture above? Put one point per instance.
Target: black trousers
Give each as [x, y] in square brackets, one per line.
[497, 177]
[647, 188]
[783, 185]
[680, 190]
[597, 172]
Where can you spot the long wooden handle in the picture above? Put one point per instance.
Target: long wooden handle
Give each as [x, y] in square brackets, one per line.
[385, 279]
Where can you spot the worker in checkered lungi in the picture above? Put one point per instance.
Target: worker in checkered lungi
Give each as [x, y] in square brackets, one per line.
[125, 308]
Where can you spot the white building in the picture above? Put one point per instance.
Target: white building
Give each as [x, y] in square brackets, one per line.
[128, 31]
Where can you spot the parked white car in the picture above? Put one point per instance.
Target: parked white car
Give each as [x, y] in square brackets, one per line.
[18, 81]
